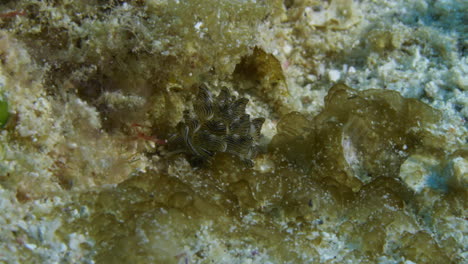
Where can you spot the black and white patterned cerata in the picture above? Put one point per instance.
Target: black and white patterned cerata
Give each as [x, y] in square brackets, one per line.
[217, 124]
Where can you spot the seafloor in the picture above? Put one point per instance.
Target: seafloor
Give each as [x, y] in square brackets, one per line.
[362, 158]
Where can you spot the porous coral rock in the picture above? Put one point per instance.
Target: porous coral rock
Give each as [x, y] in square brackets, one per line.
[50, 145]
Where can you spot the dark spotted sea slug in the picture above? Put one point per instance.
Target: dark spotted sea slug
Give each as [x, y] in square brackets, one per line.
[217, 124]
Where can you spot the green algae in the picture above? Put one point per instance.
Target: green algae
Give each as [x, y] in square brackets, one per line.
[358, 137]
[159, 216]
[159, 40]
[261, 74]
[4, 115]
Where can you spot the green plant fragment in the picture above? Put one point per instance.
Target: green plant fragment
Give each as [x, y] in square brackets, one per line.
[3, 112]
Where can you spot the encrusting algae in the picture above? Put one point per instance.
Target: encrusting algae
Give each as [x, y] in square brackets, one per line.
[356, 193]
[358, 136]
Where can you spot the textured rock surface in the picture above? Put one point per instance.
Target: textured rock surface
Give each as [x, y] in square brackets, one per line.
[367, 174]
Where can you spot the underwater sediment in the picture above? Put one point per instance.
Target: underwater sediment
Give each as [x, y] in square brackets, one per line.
[211, 131]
